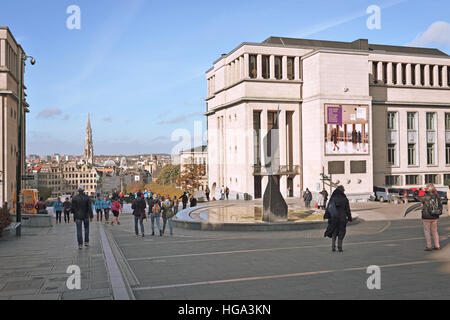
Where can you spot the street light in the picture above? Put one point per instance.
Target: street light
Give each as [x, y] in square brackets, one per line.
[23, 59]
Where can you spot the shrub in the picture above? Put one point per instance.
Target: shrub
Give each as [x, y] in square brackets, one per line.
[5, 218]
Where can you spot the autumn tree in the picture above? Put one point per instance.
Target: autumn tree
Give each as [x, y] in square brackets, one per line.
[192, 176]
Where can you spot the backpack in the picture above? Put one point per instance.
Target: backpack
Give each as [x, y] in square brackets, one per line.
[156, 208]
[332, 209]
[434, 207]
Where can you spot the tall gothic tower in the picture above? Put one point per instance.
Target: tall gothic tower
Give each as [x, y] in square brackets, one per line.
[88, 155]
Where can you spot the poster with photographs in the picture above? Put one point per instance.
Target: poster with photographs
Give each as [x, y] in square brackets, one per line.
[346, 129]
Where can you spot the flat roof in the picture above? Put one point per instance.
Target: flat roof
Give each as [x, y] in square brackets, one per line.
[360, 44]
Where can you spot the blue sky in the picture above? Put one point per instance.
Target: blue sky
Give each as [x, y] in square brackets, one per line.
[138, 65]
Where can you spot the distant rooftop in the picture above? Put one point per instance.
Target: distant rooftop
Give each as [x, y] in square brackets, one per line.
[360, 44]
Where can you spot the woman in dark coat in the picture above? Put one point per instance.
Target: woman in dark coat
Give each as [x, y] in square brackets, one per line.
[338, 215]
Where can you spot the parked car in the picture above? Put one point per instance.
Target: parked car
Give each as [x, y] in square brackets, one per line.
[443, 196]
[407, 195]
[385, 193]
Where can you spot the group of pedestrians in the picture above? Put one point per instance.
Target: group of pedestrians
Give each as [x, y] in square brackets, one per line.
[159, 207]
[107, 205]
[59, 207]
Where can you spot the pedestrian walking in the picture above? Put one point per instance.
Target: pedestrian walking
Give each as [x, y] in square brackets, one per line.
[167, 214]
[66, 207]
[107, 208]
[82, 214]
[58, 208]
[222, 193]
[41, 207]
[98, 204]
[138, 207]
[431, 211]
[227, 192]
[207, 193]
[184, 199]
[307, 197]
[115, 208]
[325, 198]
[338, 214]
[155, 214]
[320, 201]
[176, 204]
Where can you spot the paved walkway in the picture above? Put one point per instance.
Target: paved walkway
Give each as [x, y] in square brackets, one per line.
[34, 266]
[227, 265]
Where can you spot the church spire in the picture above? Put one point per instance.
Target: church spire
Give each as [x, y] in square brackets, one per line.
[88, 155]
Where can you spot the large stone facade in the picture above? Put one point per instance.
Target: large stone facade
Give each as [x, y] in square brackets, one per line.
[10, 53]
[344, 110]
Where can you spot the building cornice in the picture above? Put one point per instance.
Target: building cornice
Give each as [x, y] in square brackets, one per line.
[409, 104]
[250, 99]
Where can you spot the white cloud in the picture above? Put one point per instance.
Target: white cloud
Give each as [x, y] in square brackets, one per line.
[438, 33]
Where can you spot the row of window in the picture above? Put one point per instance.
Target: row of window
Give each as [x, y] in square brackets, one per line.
[410, 74]
[265, 65]
[415, 179]
[431, 126]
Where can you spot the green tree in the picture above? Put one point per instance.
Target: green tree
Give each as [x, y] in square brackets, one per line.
[168, 175]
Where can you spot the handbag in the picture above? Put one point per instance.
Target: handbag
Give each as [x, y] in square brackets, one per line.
[143, 216]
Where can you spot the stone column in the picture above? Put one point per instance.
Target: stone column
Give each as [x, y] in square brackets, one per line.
[283, 156]
[418, 76]
[426, 72]
[284, 68]
[259, 66]
[237, 71]
[380, 72]
[371, 75]
[297, 68]
[2, 52]
[232, 68]
[444, 76]
[408, 74]
[399, 74]
[246, 60]
[263, 135]
[435, 76]
[272, 67]
[241, 67]
[389, 73]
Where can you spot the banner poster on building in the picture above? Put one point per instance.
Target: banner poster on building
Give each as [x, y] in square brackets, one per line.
[346, 129]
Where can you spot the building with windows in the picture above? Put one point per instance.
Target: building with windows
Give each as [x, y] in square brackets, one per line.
[361, 114]
[10, 53]
[197, 156]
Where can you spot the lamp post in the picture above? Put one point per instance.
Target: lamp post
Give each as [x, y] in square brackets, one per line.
[23, 59]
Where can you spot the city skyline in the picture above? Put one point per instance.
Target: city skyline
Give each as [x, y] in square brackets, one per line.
[126, 68]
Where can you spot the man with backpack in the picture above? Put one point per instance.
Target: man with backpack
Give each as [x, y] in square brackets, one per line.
[431, 210]
[155, 214]
[338, 215]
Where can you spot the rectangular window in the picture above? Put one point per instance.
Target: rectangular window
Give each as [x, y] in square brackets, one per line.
[392, 120]
[431, 178]
[391, 154]
[392, 180]
[336, 167]
[411, 121]
[412, 180]
[266, 67]
[447, 153]
[411, 154]
[430, 154]
[290, 68]
[252, 66]
[278, 67]
[358, 167]
[447, 121]
[446, 179]
[431, 121]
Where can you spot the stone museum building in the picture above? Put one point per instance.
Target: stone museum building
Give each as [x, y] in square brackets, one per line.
[362, 114]
[10, 52]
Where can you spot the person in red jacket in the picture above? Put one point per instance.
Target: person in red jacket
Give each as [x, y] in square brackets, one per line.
[115, 208]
